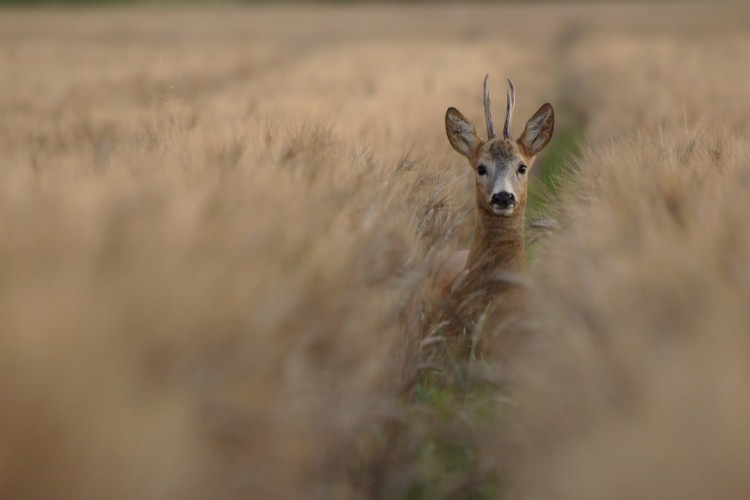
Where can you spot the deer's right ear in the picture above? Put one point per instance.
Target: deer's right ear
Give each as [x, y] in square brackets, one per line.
[538, 130]
[461, 133]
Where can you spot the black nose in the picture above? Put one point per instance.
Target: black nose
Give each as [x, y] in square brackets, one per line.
[503, 199]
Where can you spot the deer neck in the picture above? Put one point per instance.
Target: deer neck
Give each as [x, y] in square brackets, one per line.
[498, 242]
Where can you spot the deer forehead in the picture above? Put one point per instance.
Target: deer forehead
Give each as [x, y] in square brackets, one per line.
[500, 152]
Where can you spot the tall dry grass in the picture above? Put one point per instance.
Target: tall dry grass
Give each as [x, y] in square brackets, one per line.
[218, 229]
[636, 386]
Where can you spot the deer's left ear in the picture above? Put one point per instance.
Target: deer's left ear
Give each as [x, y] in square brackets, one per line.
[461, 133]
[538, 130]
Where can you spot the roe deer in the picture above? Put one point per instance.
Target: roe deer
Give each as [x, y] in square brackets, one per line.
[501, 168]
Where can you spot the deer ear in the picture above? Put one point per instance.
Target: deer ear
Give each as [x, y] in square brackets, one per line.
[538, 131]
[461, 133]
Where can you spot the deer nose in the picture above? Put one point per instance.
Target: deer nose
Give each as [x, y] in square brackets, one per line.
[503, 199]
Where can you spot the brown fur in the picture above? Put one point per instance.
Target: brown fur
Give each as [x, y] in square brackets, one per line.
[485, 279]
[502, 150]
[498, 244]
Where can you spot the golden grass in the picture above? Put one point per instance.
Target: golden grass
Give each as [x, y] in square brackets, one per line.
[636, 385]
[218, 228]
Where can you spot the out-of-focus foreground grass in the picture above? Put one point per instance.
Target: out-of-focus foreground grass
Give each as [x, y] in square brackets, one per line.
[218, 228]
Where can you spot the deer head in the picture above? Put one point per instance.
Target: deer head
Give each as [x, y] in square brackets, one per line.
[501, 165]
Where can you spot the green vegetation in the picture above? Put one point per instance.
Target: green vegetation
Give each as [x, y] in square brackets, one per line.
[557, 158]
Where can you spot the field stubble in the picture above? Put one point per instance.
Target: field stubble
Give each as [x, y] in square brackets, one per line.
[218, 228]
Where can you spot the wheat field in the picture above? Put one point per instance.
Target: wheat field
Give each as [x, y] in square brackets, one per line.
[219, 227]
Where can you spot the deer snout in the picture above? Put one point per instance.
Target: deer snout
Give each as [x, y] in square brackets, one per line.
[503, 199]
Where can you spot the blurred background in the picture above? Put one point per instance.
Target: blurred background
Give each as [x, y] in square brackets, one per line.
[220, 221]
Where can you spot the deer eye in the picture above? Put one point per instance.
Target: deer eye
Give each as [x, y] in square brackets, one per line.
[522, 169]
[482, 170]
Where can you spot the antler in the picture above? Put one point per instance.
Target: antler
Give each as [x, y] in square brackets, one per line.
[508, 109]
[487, 111]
